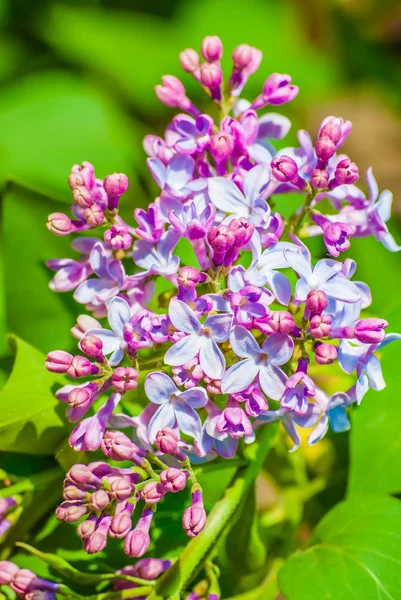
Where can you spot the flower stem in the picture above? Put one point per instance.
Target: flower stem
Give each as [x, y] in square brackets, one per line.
[173, 583]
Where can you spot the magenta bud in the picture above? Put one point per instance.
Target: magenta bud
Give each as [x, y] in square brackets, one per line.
[211, 77]
[81, 367]
[95, 543]
[82, 197]
[316, 301]
[58, 361]
[174, 480]
[8, 570]
[325, 148]
[84, 323]
[189, 277]
[167, 440]
[319, 178]
[189, 60]
[87, 527]
[284, 169]
[331, 130]
[80, 398]
[320, 326]
[23, 581]
[71, 492]
[92, 346]
[136, 542]
[125, 379]
[279, 321]
[346, 172]
[117, 446]
[59, 224]
[93, 215]
[212, 48]
[325, 354]
[82, 176]
[74, 512]
[153, 492]
[121, 523]
[151, 568]
[194, 517]
[118, 237]
[370, 331]
[243, 231]
[242, 56]
[99, 500]
[82, 475]
[115, 185]
[221, 146]
[171, 92]
[121, 488]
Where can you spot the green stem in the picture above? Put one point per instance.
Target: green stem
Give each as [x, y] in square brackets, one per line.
[173, 583]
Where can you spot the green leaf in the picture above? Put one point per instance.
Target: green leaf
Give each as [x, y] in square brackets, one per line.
[46, 320]
[50, 121]
[30, 416]
[355, 554]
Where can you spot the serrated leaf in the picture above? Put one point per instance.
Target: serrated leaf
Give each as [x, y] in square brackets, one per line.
[31, 418]
[355, 554]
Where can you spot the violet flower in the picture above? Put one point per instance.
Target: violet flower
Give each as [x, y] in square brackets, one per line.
[276, 350]
[175, 407]
[88, 434]
[156, 259]
[194, 134]
[111, 278]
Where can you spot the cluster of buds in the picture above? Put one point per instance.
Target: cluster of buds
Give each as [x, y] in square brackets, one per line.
[226, 241]
[103, 498]
[25, 583]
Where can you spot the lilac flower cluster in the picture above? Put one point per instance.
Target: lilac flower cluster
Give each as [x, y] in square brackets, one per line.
[233, 343]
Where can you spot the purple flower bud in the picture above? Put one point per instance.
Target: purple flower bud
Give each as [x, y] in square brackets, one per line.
[335, 235]
[82, 176]
[138, 540]
[80, 399]
[6, 504]
[87, 527]
[92, 346]
[167, 441]
[118, 237]
[71, 492]
[39, 595]
[242, 56]
[194, 517]
[93, 215]
[125, 379]
[279, 321]
[117, 446]
[151, 568]
[284, 169]
[319, 179]
[320, 326]
[59, 224]
[211, 77]
[115, 185]
[82, 197]
[221, 240]
[370, 331]
[325, 148]
[243, 231]
[121, 523]
[99, 500]
[153, 492]
[189, 60]
[98, 540]
[81, 475]
[346, 173]
[325, 354]
[58, 361]
[174, 480]
[221, 146]
[172, 92]
[189, 277]
[121, 488]
[24, 581]
[81, 367]
[316, 302]
[234, 422]
[74, 512]
[84, 323]
[332, 130]
[212, 48]
[7, 572]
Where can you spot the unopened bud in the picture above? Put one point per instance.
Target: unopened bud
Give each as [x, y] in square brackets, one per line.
[189, 60]
[59, 224]
[319, 178]
[121, 488]
[320, 326]
[125, 379]
[212, 48]
[316, 301]
[58, 361]
[82, 197]
[370, 331]
[189, 277]
[84, 323]
[93, 215]
[325, 148]
[92, 345]
[7, 572]
[153, 492]
[284, 168]
[194, 517]
[99, 500]
[121, 523]
[325, 354]
[174, 480]
[81, 367]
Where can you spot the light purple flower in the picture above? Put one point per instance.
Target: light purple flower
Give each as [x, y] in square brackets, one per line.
[88, 434]
[114, 343]
[299, 387]
[156, 259]
[234, 422]
[175, 407]
[326, 276]
[245, 133]
[70, 273]
[332, 412]
[191, 224]
[111, 278]
[290, 420]
[200, 338]
[151, 225]
[194, 134]
[177, 178]
[276, 350]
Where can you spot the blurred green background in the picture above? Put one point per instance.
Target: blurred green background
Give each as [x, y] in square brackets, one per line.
[76, 83]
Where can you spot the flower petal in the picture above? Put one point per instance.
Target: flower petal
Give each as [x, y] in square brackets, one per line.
[279, 348]
[118, 314]
[195, 397]
[280, 286]
[183, 351]
[341, 289]
[179, 171]
[239, 376]
[272, 381]
[99, 261]
[188, 420]
[220, 326]
[163, 417]
[183, 317]
[243, 343]
[226, 196]
[111, 341]
[299, 263]
[159, 387]
[211, 359]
